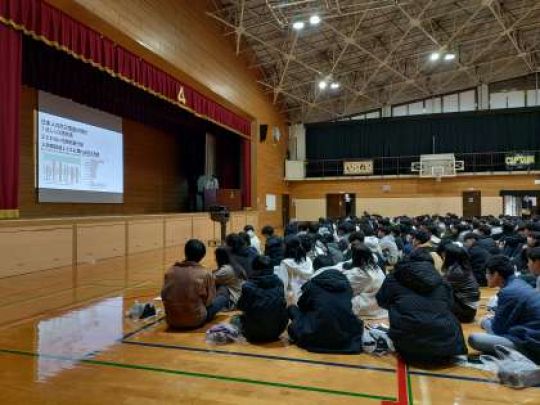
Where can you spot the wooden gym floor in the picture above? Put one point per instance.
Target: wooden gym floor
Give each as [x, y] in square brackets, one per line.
[67, 344]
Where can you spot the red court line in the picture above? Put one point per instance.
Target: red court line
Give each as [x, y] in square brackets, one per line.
[402, 398]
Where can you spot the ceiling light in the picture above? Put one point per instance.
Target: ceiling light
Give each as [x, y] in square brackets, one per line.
[450, 56]
[298, 25]
[322, 85]
[434, 56]
[314, 20]
[334, 85]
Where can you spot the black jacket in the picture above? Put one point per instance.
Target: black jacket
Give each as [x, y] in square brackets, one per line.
[274, 250]
[488, 243]
[419, 303]
[466, 292]
[479, 257]
[513, 248]
[264, 316]
[325, 322]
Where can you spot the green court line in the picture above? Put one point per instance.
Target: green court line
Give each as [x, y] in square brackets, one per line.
[409, 386]
[200, 375]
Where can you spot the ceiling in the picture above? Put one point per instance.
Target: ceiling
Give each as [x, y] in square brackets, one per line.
[378, 50]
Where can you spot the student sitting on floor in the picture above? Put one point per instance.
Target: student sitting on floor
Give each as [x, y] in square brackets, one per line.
[189, 292]
[516, 323]
[264, 316]
[419, 303]
[421, 240]
[240, 251]
[457, 271]
[478, 256]
[230, 275]
[366, 279]
[296, 268]
[254, 239]
[534, 264]
[323, 321]
[274, 245]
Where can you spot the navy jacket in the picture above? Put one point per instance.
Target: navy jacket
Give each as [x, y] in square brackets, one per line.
[419, 303]
[325, 322]
[518, 316]
[264, 316]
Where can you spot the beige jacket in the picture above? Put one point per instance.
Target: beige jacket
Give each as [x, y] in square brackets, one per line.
[437, 260]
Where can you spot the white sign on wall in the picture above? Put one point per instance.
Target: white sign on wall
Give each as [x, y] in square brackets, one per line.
[270, 202]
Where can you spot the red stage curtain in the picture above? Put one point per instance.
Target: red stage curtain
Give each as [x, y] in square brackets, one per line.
[50, 25]
[246, 173]
[10, 89]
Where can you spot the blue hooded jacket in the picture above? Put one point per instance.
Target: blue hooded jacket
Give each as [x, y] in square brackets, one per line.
[517, 317]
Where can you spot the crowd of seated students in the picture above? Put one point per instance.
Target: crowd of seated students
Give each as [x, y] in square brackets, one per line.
[322, 280]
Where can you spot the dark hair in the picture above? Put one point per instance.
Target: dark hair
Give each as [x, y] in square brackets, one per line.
[313, 227]
[327, 238]
[222, 256]
[194, 250]
[249, 228]
[294, 250]
[235, 242]
[535, 235]
[533, 254]
[361, 255]
[485, 229]
[421, 236]
[267, 230]
[500, 264]
[367, 229]
[470, 235]
[245, 237]
[307, 242]
[356, 236]
[262, 265]
[508, 227]
[384, 229]
[322, 261]
[532, 226]
[453, 254]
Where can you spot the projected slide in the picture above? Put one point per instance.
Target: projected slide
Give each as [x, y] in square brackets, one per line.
[80, 157]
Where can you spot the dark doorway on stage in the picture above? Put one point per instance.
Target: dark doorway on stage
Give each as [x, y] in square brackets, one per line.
[340, 205]
[472, 204]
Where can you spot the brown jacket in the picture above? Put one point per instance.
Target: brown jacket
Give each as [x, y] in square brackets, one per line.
[188, 289]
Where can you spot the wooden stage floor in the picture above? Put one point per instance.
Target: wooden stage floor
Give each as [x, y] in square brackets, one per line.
[83, 350]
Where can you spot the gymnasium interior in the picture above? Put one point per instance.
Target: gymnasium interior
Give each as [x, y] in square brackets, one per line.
[129, 128]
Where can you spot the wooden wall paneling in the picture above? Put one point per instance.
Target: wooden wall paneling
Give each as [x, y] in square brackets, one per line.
[203, 227]
[489, 185]
[178, 230]
[100, 241]
[253, 219]
[145, 234]
[31, 249]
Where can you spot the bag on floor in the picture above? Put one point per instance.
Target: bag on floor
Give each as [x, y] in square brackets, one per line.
[376, 341]
[222, 334]
[512, 368]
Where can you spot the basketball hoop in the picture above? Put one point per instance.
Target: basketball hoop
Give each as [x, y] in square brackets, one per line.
[437, 166]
